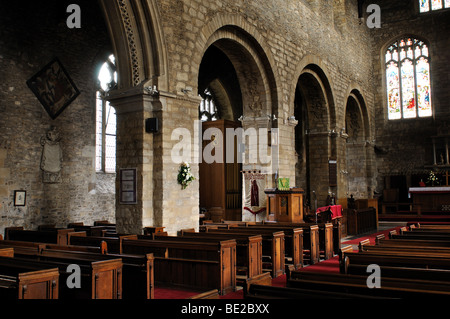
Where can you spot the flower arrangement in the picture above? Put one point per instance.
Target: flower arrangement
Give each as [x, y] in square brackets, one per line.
[433, 179]
[184, 175]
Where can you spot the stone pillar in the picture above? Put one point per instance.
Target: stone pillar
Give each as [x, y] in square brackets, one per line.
[343, 169]
[261, 154]
[319, 155]
[161, 201]
[135, 149]
[287, 154]
[177, 208]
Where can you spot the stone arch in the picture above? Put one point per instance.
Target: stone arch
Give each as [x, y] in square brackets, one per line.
[222, 98]
[316, 66]
[356, 94]
[315, 141]
[241, 41]
[217, 74]
[359, 146]
[138, 43]
[238, 44]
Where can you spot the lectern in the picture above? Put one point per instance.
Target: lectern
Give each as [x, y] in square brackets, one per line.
[285, 206]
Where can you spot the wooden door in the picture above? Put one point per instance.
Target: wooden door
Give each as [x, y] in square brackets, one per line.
[221, 182]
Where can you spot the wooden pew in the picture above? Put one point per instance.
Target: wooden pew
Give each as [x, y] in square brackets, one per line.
[263, 292]
[114, 244]
[417, 235]
[25, 246]
[102, 249]
[321, 240]
[431, 253]
[6, 252]
[429, 231]
[357, 284]
[22, 247]
[432, 226]
[137, 270]
[55, 236]
[153, 230]
[361, 220]
[293, 237]
[248, 248]
[138, 277]
[401, 265]
[405, 273]
[273, 246]
[211, 225]
[99, 279]
[211, 294]
[103, 276]
[249, 268]
[90, 230]
[198, 265]
[27, 281]
[315, 238]
[105, 223]
[402, 240]
[405, 246]
[337, 231]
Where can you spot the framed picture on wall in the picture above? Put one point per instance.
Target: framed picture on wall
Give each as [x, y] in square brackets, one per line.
[53, 87]
[20, 198]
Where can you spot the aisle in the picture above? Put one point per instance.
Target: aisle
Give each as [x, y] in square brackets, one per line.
[384, 228]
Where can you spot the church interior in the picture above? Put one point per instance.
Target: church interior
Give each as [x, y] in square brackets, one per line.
[225, 149]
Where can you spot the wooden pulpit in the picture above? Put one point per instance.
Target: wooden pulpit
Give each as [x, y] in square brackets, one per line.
[285, 206]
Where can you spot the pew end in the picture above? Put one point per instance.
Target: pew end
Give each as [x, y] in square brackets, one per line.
[7, 252]
[211, 294]
[362, 243]
[264, 279]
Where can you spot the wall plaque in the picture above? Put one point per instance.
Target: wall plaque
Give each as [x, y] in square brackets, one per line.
[332, 170]
[128, 186]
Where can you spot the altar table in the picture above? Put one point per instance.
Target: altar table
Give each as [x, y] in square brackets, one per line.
[431, 199]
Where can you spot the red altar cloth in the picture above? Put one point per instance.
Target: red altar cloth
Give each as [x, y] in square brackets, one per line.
[336, 210]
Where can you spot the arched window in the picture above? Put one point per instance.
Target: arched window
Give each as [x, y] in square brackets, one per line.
[432, 5]
[106, 119]
[207, 109]
[408, 79]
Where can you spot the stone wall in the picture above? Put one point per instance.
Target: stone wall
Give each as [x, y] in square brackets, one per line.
[405, 145]
[271, 44]
[31, 35]
[283, 38]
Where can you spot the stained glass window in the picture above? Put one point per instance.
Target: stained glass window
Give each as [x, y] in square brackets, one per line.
[106, 120]
[432, 5]
[408, 79]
